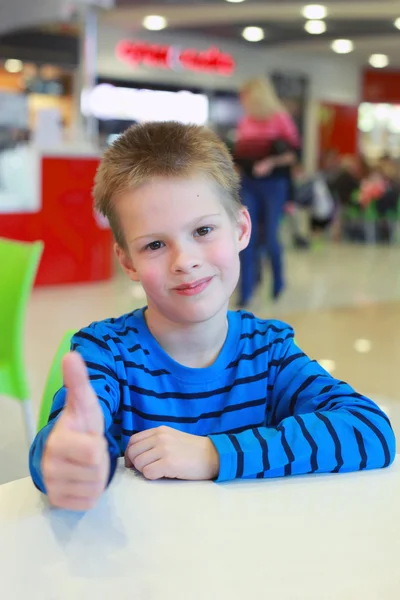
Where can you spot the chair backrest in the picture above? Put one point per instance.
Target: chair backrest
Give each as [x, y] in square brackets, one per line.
[19, 262]
[54, 380]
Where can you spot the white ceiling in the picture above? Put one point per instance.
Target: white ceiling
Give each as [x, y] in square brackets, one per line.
[191, 16]
[196, 14]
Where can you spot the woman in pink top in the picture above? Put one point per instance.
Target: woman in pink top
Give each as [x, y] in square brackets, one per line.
[266, 144]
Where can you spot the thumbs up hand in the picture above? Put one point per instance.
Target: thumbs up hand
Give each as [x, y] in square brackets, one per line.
[76, 462]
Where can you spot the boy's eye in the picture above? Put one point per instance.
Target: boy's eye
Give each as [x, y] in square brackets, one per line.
[154, 246]
[202, 231]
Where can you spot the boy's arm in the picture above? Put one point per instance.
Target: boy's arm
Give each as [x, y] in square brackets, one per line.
[318, 425]
[104, 381]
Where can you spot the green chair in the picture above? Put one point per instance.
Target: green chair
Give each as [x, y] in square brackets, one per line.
[18, 266]
[54, 380]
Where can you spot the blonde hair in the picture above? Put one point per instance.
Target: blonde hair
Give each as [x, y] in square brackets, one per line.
[170, 149]
[260, 98]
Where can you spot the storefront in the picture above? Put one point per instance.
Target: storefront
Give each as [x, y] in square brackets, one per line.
[379, 115]
[36, 108]
[37, 73]
[118, 104]
[369, 128]
[164, 81]
[153, 61]
[45, 182]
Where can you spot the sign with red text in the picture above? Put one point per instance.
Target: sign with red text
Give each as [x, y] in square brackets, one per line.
[174, 58]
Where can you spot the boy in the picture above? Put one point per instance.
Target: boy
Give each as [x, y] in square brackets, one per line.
[185, 388]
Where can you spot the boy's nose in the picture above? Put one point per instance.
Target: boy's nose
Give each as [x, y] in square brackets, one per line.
[184, 262]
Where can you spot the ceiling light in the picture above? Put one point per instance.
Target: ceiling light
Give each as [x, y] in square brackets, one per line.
[154, 22]
[13, 65]
[362, 346]
[379, 61]
[235, 1]
[253, 34]
[315, 27]
[314, 11]
[397, 23]
[342, 46]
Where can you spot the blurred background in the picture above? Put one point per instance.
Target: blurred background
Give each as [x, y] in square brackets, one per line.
[75, 75]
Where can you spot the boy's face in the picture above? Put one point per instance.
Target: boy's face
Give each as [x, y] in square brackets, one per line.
[183, 247]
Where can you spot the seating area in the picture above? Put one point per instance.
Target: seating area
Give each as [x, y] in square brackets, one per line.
[19, 263]
[376, 221]
[18, 267]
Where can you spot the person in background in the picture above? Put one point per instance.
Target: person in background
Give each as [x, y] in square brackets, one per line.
[351, 172]
[295, 214]
[384, 188]
[265, 150]
[330, 171]
[314, 195]
[330, 167]
[389, 171]
[322, 207]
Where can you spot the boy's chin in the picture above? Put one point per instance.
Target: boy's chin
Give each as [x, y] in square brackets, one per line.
[198, 312]
[205, 312]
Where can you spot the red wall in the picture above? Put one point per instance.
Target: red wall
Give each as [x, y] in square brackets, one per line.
[381, 87]
[338, 128]
[76, 248]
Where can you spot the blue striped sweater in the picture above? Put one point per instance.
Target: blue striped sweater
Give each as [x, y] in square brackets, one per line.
[268, 408]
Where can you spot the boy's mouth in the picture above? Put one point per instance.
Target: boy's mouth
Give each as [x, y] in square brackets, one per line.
[194, 287]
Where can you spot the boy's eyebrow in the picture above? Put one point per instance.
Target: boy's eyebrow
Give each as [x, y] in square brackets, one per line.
[189, 225]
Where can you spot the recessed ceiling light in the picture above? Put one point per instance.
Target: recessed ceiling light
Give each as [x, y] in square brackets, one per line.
[342, 46]
[235, 1]
[379, 61]
[155, 22]
[253, 34]
[314, 11]
[315, 27]
[13, 65]
[397, 23]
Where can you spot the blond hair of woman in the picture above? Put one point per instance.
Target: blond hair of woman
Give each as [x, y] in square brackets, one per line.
[259, 98]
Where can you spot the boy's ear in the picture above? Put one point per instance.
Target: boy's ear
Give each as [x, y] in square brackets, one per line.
[244, 228]
[126, 262]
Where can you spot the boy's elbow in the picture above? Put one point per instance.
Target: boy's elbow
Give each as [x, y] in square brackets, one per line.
[391, 442]
[374, 438]
[382, 448]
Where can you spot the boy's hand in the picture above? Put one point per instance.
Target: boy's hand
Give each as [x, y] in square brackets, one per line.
[76, 461]
[166, 452]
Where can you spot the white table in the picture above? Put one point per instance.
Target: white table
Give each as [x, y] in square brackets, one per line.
[332, 537]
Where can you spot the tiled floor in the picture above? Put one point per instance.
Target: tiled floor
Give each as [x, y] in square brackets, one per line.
[343, 301]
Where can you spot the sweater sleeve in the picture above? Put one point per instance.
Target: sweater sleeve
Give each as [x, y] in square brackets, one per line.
[100, 362]
[317, 424]
[288, 129]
